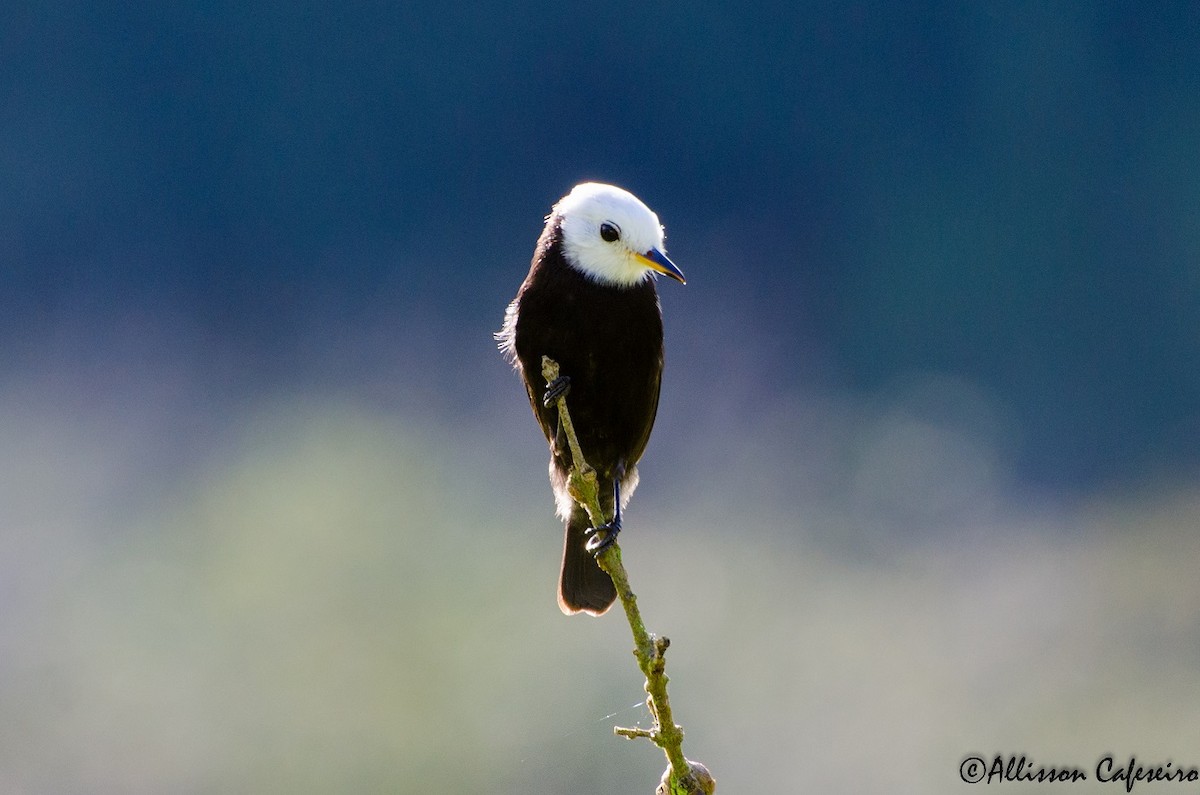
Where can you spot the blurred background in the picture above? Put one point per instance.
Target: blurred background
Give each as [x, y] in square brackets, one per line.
[274, 514]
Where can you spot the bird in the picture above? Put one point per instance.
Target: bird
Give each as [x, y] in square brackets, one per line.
[589, 302]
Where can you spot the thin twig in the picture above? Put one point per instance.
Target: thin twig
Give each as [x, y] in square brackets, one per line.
[685, 777]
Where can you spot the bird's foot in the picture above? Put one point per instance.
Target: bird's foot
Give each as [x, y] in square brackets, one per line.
[602, 537]
[556, 389]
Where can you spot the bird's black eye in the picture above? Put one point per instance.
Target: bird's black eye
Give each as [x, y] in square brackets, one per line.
[609, 232]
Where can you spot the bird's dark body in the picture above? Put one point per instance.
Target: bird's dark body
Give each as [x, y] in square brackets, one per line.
[608, 340]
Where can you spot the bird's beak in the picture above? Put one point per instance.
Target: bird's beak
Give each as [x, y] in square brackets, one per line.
[655, 260]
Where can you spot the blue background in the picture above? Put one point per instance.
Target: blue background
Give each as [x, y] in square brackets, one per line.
[1005, 194]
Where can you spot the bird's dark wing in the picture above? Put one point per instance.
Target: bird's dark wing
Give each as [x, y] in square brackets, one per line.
[547, 416]
[653, 388]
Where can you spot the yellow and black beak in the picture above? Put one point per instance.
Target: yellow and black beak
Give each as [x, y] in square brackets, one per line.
[655, 260]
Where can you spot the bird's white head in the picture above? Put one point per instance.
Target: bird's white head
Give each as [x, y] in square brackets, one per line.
[611, 236]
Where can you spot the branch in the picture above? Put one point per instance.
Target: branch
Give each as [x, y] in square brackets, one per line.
[683, 777]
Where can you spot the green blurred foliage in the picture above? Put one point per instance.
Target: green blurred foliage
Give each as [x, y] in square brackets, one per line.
[344, 599]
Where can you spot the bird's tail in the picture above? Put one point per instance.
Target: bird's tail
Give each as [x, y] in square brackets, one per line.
[583, 587]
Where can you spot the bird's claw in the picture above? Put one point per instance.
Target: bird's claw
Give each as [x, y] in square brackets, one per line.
[602, 537]
[556, 389]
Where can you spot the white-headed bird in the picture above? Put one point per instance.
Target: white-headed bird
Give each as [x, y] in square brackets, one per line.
[589, 303]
